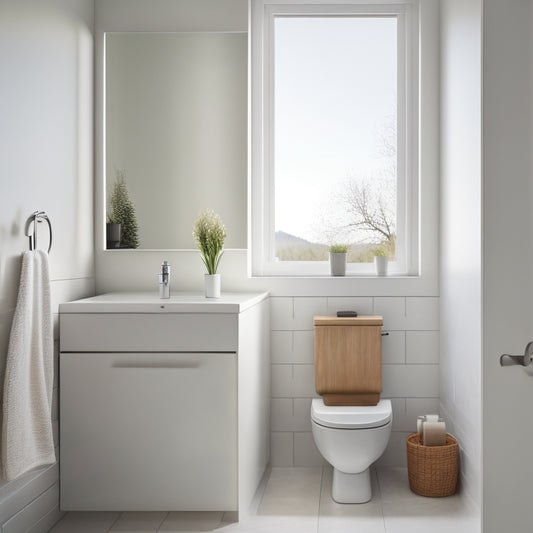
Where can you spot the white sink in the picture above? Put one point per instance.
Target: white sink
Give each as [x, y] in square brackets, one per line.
[149, 302]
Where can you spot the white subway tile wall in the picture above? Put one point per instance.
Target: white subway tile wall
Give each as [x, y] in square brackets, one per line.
[422, 347]
[410, 355]
[305, 451]
[282, 448]
[393, 348]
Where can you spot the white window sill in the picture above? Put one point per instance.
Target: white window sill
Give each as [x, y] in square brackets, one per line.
[349, 285]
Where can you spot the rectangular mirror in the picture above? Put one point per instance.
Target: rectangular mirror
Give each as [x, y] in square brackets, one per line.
[176, 125]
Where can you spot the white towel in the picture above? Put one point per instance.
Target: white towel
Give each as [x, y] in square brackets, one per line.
[27, 439]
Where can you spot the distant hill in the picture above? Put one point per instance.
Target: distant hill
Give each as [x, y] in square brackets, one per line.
[292, 248]
[286, 238]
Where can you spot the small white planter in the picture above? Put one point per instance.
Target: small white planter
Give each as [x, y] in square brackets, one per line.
[337, 263]
[212, 285]
[382, 264]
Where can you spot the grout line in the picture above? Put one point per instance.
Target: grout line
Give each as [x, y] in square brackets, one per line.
[292, 345]
[412, 364]
[320, 500]
[293, 451]
[299, 330]
[114, 522]
[381, 500]
[162, 521]
[405, 347]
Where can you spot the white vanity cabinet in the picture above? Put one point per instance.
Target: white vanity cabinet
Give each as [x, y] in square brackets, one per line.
[164, 405]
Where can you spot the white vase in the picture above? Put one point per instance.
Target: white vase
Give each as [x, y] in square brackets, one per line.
[212, 285]
[381, 265]
[337, 263]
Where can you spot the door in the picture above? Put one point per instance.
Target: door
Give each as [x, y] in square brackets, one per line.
[507, 264]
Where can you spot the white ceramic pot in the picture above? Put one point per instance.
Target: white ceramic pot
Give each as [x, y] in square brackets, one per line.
[381, 265]
[212, 285]
[337, 263]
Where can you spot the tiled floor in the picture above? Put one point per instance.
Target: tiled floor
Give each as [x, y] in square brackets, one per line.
[298, 500]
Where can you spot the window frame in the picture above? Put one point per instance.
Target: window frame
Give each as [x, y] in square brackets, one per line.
[262, 233]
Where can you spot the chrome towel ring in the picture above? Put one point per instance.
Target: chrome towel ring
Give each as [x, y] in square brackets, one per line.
[31, 228]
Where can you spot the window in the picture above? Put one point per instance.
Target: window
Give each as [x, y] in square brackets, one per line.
[334, 136]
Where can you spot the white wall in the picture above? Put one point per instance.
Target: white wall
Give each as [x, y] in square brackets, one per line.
[461, 275]
[46, 163]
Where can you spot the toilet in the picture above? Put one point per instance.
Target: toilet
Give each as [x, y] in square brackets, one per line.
[351, 425]
[351, 438]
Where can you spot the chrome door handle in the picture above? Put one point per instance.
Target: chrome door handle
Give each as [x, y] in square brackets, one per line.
[522, 360]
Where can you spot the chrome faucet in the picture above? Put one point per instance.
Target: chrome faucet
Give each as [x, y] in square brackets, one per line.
[164, 281]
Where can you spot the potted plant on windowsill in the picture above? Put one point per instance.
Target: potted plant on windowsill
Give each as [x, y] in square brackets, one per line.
[210, 234]
[381, 261]
[337, 259]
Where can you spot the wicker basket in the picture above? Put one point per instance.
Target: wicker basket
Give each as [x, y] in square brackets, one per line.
[433, 470]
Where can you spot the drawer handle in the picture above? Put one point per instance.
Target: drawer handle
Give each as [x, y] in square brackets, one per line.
[184, 365]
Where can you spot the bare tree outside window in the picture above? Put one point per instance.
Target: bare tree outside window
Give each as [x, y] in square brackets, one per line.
[361, 212]
[371, 202]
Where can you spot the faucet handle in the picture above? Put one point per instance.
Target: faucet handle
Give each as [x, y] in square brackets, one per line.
[164, 280]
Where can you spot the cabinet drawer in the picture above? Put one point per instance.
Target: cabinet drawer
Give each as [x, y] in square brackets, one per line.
[148, 432]
[138, 332]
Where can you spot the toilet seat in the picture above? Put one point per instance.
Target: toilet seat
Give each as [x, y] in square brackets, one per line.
[351, 417]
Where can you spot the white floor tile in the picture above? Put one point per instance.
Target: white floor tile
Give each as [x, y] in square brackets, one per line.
[190, 522]
[274, 524]
[407, 512]
[292, 492]
[298, 500]
[138, 522]
[435, 524]
[85, 522]
[348, 524]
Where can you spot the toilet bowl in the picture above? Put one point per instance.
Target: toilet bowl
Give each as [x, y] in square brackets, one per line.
[351, 438]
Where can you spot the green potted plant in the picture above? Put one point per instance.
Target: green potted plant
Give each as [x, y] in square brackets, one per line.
[381, 261]
[337, 259]
[210, 233]
[122, 211]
